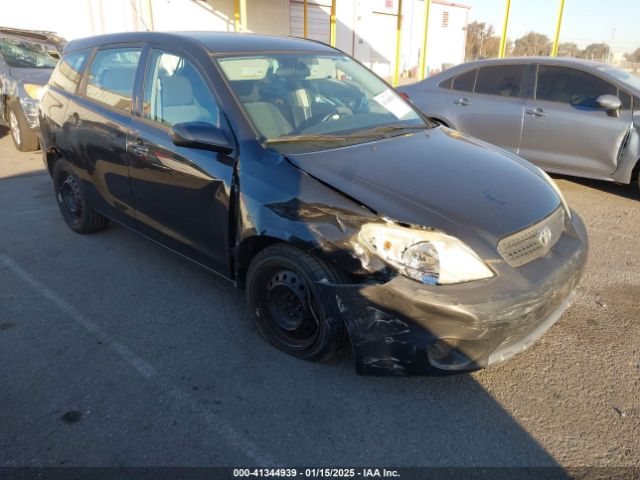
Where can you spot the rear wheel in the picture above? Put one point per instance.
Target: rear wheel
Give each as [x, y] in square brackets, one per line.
[74, 208]
[283, 296]
[25, 139]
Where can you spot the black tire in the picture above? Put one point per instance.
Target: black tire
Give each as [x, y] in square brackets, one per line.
[283, 297]
[25, 139]
[73, 206]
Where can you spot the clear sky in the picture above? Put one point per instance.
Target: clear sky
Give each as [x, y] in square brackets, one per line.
[616, 22]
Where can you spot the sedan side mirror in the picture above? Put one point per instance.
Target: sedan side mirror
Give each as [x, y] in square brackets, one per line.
[202, 136]
[610, 103]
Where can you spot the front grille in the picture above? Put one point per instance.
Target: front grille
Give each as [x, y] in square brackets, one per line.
[534, 241]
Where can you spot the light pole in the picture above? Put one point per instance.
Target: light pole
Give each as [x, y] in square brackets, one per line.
[503, 39]
[556, 40]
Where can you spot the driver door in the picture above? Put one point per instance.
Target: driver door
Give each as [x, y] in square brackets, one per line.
[564, 128]
[181, 194]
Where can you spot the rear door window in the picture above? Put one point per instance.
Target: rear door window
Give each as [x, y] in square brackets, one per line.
[500, 80]
[568, 85]
[67, 74]
[111, 77]
[465, 81]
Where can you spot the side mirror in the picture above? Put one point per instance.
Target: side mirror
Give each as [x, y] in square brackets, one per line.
[610, 103]
[202, 136]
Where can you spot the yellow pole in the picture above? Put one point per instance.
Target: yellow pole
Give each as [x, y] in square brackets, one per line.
[150, 12]
[236, 15]
[332, 40]
[503, 39]
[304, 7]
[396, 72]
[556, 41]
[423, 53]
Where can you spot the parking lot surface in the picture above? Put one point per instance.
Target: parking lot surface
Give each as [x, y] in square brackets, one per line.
[117, 352]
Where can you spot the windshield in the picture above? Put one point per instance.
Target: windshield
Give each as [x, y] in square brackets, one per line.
[622, 76]
[323, 100]
[19, 53]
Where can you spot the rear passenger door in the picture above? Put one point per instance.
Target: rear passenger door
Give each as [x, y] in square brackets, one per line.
[565, 129]
[488, 104]
[98, 119]
[181, 194]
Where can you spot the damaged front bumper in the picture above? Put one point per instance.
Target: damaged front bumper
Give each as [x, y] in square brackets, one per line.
[402, 327]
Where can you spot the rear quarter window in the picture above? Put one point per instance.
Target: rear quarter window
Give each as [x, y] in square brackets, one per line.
[448, 83]
[67, 74]
[465, 81]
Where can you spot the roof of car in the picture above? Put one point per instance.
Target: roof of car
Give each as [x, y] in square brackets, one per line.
[214, 42]
[39, 35]
[556, 60]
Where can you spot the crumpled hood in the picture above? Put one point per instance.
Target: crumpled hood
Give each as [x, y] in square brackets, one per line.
[38, 76]
[438, 178]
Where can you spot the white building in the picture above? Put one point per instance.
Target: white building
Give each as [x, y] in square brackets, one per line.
[365, 29]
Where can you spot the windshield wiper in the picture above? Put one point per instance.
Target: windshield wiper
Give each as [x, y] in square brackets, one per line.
[306, 138]
[387, 129]
[382, 130]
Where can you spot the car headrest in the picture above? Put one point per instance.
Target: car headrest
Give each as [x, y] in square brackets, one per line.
[176, 91]
[118, 79]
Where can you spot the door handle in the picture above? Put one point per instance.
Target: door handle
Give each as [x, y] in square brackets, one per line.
[536, 112]
[463, 102]
[138, 148]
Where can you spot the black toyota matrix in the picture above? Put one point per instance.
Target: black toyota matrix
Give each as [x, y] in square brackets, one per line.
[291, 170]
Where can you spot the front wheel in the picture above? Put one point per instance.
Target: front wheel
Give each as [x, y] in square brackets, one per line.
[73, 206]
[24, 139]
[283, 296]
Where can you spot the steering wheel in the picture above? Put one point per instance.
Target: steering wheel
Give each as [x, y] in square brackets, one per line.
[317, 119]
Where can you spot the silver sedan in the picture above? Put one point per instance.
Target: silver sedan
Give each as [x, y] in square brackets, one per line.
[568, 116]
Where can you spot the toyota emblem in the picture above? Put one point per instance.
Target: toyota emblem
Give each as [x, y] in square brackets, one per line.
[544, 237]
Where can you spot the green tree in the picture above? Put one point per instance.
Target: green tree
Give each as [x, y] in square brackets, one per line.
[481, 41]
[633, 57]
[532, 44]
[568, 49]
[596, 51]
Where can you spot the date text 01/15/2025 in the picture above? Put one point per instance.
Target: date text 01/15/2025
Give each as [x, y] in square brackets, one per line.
[316, 472]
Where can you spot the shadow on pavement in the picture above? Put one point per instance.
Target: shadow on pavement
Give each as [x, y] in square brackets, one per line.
[196, 332]
[628, 191]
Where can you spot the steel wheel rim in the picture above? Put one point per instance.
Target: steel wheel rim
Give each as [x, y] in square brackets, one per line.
[15, 127]
[290, 309]
[69, 196]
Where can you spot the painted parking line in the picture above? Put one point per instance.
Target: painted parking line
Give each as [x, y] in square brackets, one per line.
[236, 440]
[32, 211]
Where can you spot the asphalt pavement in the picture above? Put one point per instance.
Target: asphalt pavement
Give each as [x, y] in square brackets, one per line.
[117, 352]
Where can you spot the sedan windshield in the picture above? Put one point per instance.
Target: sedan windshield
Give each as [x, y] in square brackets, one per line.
[20, 53]
[315, 99]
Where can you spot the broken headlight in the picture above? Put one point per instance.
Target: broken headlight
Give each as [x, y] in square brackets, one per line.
[427, 256]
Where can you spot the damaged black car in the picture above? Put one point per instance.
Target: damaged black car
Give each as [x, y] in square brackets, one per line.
[291, 170]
